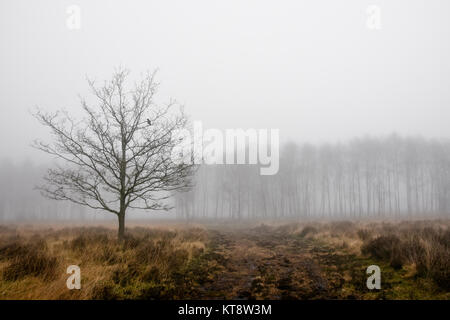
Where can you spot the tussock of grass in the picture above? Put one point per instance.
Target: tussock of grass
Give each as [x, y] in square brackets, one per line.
[146, 264]
[35, 264]
[418, 249]
[427, 249]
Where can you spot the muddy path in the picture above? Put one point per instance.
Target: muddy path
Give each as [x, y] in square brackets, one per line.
[258, 264]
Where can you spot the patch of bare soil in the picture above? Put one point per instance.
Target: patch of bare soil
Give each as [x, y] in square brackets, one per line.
[255, 264]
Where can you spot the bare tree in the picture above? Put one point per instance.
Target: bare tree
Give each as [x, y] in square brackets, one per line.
[118, 156]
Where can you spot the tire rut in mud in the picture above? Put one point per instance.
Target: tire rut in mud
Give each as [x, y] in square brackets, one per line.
[254, 264]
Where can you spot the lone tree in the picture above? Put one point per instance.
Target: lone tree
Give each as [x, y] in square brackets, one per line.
[119, 156]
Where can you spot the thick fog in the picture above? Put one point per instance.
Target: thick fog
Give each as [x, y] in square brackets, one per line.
[391, 177]
[314, 70]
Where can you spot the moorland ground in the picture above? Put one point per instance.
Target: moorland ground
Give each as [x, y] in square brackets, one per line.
[264, 260]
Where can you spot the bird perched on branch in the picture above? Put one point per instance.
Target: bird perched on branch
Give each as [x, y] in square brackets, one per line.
[149, 122]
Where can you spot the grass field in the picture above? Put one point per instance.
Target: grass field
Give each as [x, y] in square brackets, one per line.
[318, 260]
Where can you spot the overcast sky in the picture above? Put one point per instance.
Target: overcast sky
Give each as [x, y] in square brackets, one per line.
[310, 68]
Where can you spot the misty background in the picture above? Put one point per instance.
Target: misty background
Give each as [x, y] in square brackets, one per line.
[310, 68]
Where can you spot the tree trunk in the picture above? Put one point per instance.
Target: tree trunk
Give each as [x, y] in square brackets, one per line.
[121, 233]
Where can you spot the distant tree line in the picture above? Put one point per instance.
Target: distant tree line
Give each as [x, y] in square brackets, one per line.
[20, 201]
[367, 177]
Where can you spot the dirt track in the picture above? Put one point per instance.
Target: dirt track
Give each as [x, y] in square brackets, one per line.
[251, 264]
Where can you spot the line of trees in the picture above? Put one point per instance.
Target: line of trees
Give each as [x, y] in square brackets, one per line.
[20, 201]
[367, 177]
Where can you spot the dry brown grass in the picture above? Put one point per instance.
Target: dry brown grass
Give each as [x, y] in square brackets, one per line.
[422, 247]
[171, 262]
[33, 261]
